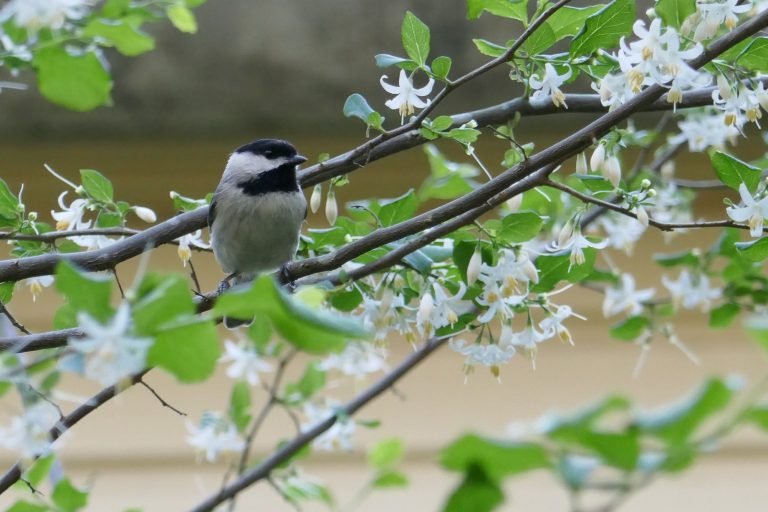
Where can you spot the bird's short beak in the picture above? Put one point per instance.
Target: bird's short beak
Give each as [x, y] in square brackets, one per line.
[298, 159]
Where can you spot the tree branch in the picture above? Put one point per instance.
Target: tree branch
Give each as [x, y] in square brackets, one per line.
[285, 452]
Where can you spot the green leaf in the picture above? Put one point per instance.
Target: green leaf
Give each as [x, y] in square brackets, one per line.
[488, 48]
[394, 211]
[85, 292]
[384, 60]
[676, 424]
[162, 299]
[240, 405]
[758, 415]
[182, 18]
[347, 299]
[630, 329]
[386, 453]
[674, 12]
[76, 82]
[415, 35]
[357, 106]
[513, 9]
[496, 458]
[520, 227]
[755, 56]
[97, 185]
[754, 251]
[620, 450]
[25, 506]
[388, 479]
[128, 39]
[733, 172]
[189, 350]
[571, 426]
[723, 316]
[568, 21]
[310, 383]
[604, 28]
[39, 470]
[314, 331]
[477, 492]
[541, 39]
[69, 498]
[595, 183]
[6, 291]
[688, 258]
[441, 66]
[557, 267]
[9, 203]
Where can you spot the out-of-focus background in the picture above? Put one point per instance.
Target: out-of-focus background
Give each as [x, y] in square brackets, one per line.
[283, 68]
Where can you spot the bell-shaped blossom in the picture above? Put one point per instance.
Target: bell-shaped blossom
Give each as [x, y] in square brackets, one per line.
[358, 359]
[190, 239]
[71, 217]
[714, 14]
[214, 435]
[407, 97]
[36, 285]
[110, 351]
[246, 364]
[549, 85]
[339, 436]
[753, 212]
[625, 298]
[29, 434]
[692, 290]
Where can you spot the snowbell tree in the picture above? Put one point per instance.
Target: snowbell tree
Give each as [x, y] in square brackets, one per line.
[474, 260]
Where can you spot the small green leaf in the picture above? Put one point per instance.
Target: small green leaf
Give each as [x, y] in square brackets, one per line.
[384, 60]
[310, 383]
[488, 48]
[389, 479]
[394, 211]
[755, 56]
[161, 299]
[557, 267]
[415, 35]
[754, 251]
[69, 498]
[6, 291]
[441, 66]
[188, 350]
[128, 39]
[77, 82]
[25, 506]
[386, 453]
[513, 9]
[674, 12]
[520, 227]
[39, 470]
[541, 39]
[182, 18]
[85, 292]
[688, 258]
[758, 415]
[604, 28]
[97, 185]
[240, 405]
[9, 203]
[733, 172]
[357, 106]
[568, 21]
[497, 458]
[477, 492]
[722, 316]
[630, 329]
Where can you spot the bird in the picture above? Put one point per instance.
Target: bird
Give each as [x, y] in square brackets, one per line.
[256, 212]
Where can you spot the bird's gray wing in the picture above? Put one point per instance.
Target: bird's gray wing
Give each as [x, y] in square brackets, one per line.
[212, 211]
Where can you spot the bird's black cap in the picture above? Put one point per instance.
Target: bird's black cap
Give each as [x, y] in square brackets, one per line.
[269, 148]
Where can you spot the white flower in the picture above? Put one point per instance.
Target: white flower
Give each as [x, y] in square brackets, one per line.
[492, 354]
[597, 160]
[72, 216]
[29, 433]
[145, 214]
[449, 307]
[553, 324]
[474, 266]
[622, 231]
[36, 285]
[195, 239]
[549, 85]
[614, 90]
[624, 298]
[691, 290]
[753, 211]
[339, 436]
[714, 14]
[358, 359]
[37, 14]
[527, 339]
[406, 98]
[704, 130]
[577, 243]
[214, 435]
[110, 352]
[246, 362]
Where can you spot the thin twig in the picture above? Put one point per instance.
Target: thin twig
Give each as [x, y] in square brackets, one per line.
[160, 399]
[193, 275]
[10, 317]
[119, 284]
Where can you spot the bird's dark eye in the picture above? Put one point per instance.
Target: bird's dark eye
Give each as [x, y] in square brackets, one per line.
[268, 153]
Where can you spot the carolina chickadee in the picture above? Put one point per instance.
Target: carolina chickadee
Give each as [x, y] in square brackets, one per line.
[257, 210]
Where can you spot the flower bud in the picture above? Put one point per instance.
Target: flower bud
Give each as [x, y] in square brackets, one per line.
[566, 232]
[426, 307]
[612, 171]
[32, 216]
[668, 170]
[316, 198]
[331, 209]
[651, 192]
[723, 87]
[645, 184]
[145, 214]
[597, 160]
[79, 190]
[581, 163]
[473, 269]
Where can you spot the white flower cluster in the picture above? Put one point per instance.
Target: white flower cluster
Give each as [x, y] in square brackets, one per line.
[656, 58]
[705, 129]
[29, 433]
[754, 211]
[35, 15]
[214, 435]
[741, 104]
[339, 436]
[692, 290]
